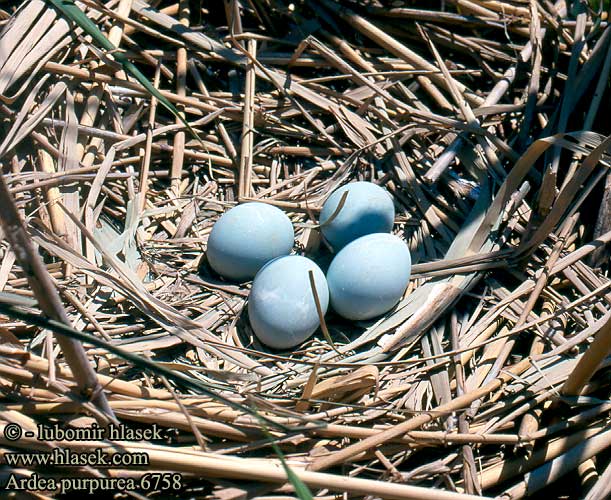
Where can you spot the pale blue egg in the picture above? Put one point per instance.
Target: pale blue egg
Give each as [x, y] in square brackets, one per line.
[369, 276]
[281, 305]
[246, 237]
[368, 209]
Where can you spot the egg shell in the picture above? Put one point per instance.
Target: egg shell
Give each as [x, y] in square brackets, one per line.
[368, 209]
[281, 306]
[246, 237]
[369, 276]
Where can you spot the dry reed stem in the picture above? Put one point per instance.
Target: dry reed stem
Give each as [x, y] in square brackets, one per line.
[247, 140]
[53, 195]
[49, 301]
[559, 466]
[415, 422]
[589, 361]
[181, 77]
[164, 458]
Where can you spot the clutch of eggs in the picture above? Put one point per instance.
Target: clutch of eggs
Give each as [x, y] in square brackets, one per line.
[366, 278]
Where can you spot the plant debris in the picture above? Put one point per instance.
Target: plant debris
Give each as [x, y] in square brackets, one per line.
[487, 121]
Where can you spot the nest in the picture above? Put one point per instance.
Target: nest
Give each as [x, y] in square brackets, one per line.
[485, 120]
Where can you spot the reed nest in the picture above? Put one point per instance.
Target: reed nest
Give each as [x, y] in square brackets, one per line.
[486, 120]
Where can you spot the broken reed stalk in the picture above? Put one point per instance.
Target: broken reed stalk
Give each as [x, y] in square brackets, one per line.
[53, 195]
[303, 404]
[49, 301]
[247, 142]
[228, 467]
[98, 77]
[602, 489]
[413, 423]
[588, 474]
[550, 471]
[589, 362]
[146, 397]
[508, 469]
[371, 31]
[448, 156]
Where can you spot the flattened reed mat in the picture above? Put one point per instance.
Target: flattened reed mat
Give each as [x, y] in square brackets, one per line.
[129, 367]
